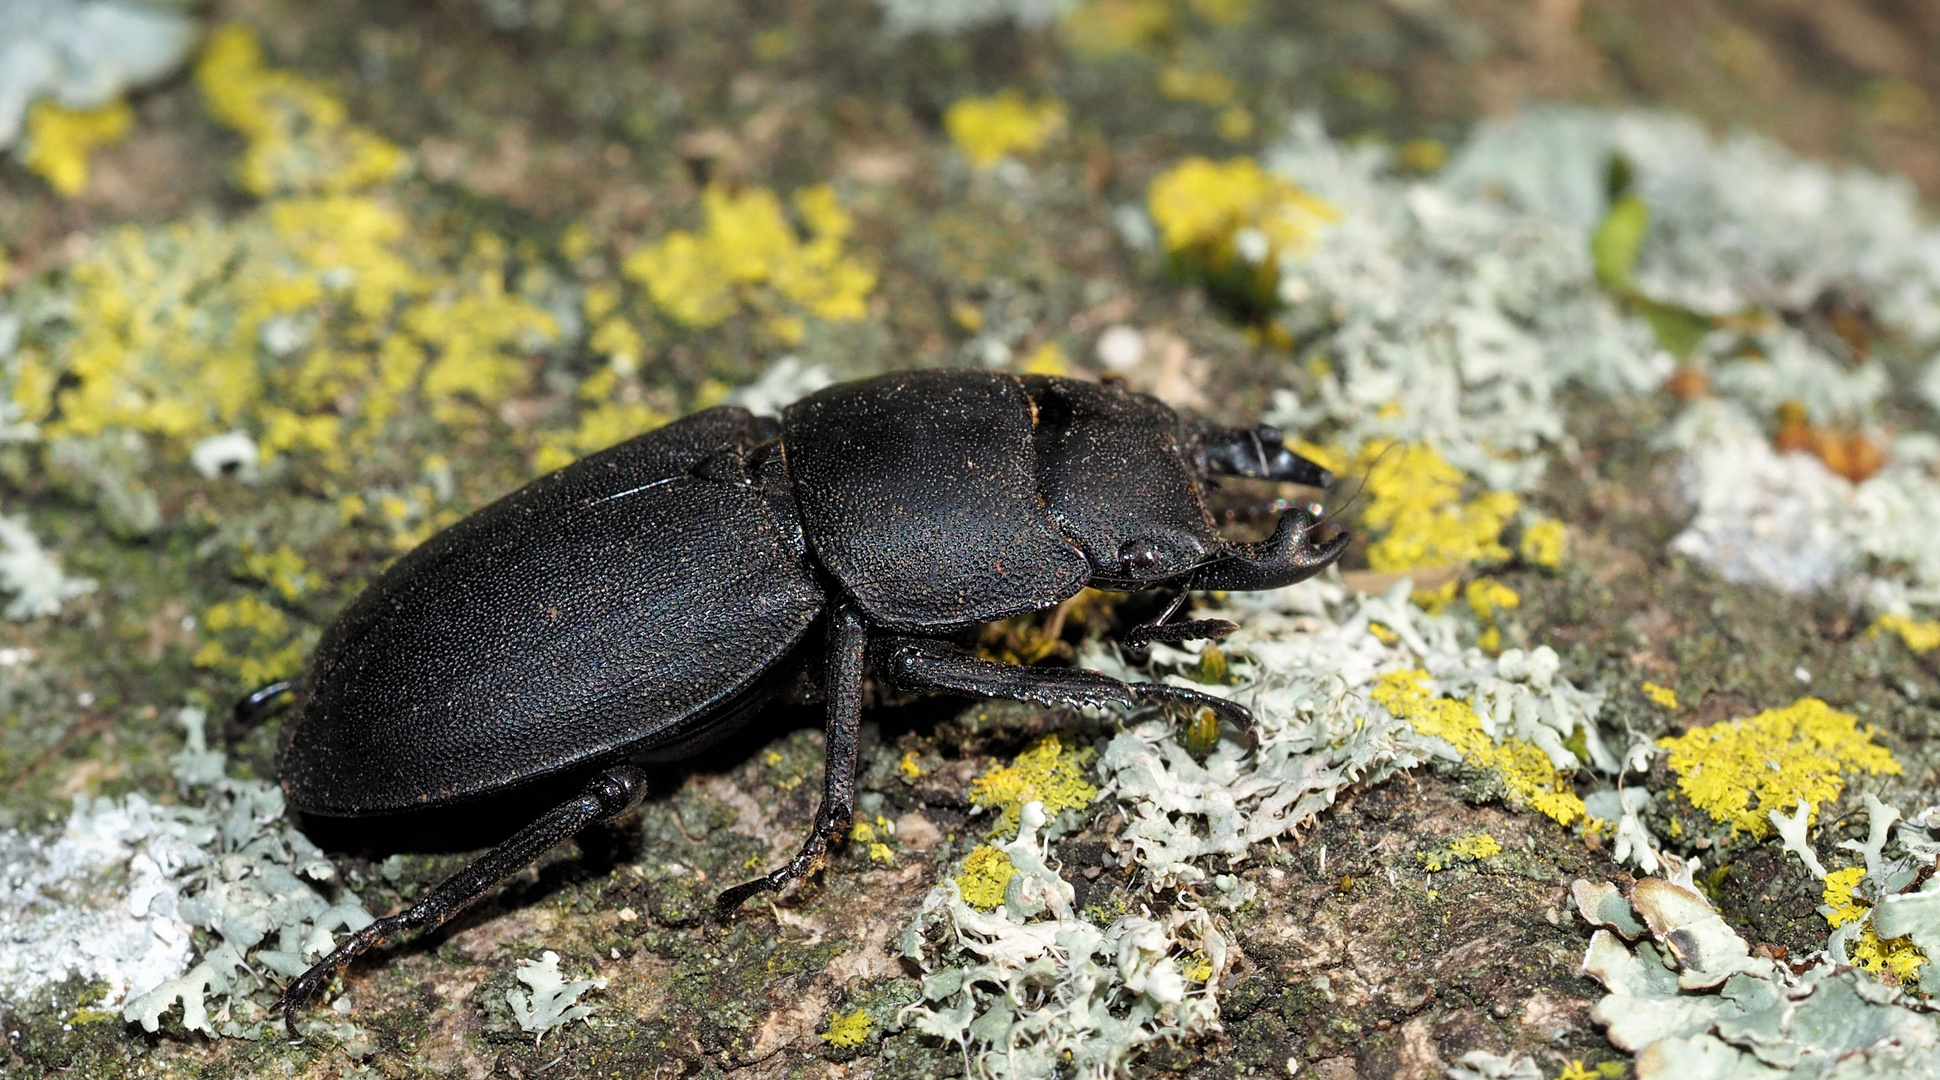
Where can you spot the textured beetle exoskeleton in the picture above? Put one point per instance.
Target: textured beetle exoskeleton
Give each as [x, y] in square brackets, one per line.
[638, 604]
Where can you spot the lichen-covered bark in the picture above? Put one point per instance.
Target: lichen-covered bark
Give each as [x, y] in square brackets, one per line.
[539, 120]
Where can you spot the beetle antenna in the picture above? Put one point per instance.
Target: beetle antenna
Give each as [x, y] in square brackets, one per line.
[1361, 485]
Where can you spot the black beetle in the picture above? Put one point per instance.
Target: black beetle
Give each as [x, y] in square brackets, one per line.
[638, 604]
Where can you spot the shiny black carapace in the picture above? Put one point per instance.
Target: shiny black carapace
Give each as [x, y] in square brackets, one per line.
[640, 603]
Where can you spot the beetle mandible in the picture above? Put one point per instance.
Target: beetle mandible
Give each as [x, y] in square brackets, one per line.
[638, 604]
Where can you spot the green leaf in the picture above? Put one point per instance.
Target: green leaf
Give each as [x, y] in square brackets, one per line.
[1614, 245]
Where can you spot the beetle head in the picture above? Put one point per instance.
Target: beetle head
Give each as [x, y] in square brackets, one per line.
[1296, 551]
[1124, 478]
[1115, 482]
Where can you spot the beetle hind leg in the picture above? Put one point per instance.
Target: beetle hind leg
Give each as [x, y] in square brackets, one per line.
[252, 706]
[920, 665]
[609, 795]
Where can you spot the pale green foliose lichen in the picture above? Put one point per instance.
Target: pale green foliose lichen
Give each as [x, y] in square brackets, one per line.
[32, 574]
[119, 893]
[82, 55]
[550, 1000]
[1690, 999]
[1740, 236]
[1033, 990]
[1433, 313]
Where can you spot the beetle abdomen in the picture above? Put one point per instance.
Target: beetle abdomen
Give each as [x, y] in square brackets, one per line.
[604, 609]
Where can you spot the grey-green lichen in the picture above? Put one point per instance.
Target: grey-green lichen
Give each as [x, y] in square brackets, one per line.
[1032, 990]
[1690, 998]
[550, 1000]
[229, 865]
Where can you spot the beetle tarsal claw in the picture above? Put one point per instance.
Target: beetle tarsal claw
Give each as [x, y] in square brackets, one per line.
[1233, 712]
[307, 985]
[730, 900]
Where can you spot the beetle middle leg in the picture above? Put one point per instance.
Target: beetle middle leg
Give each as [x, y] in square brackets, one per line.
[609, 795]
[847, 638]
[922, 665]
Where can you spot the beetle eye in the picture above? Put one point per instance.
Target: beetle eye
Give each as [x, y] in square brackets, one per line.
[1141, 553]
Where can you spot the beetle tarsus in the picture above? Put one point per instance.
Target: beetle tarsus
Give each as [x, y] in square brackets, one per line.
[848, 640]
[608, 795]
[1190, 630]
[1232, 712]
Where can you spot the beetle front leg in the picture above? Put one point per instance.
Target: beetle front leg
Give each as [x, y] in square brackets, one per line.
[609, 795]
[847, 639]
[920, 665]
[1161, 628]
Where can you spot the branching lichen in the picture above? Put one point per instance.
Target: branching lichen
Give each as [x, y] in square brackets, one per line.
[1032, 991]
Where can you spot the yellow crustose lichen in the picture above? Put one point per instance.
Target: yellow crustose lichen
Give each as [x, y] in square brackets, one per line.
[1463, 849]
[1662, 695]
[1895, 960]
[300, 135]
[60, 139]
[1104, 27]
[307, 321]
[1196, 966]
[986, 873]
[1921, 635]
[1047, 771]
[748, 253]
[1544, 543]
[990, 129]
[1205, 87]
[1488, 598]
[1522, 766]
[1415, 503]
[848, 1031]
[1230, 223]
[862, 832]
[1741, 770]
[267, 647]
